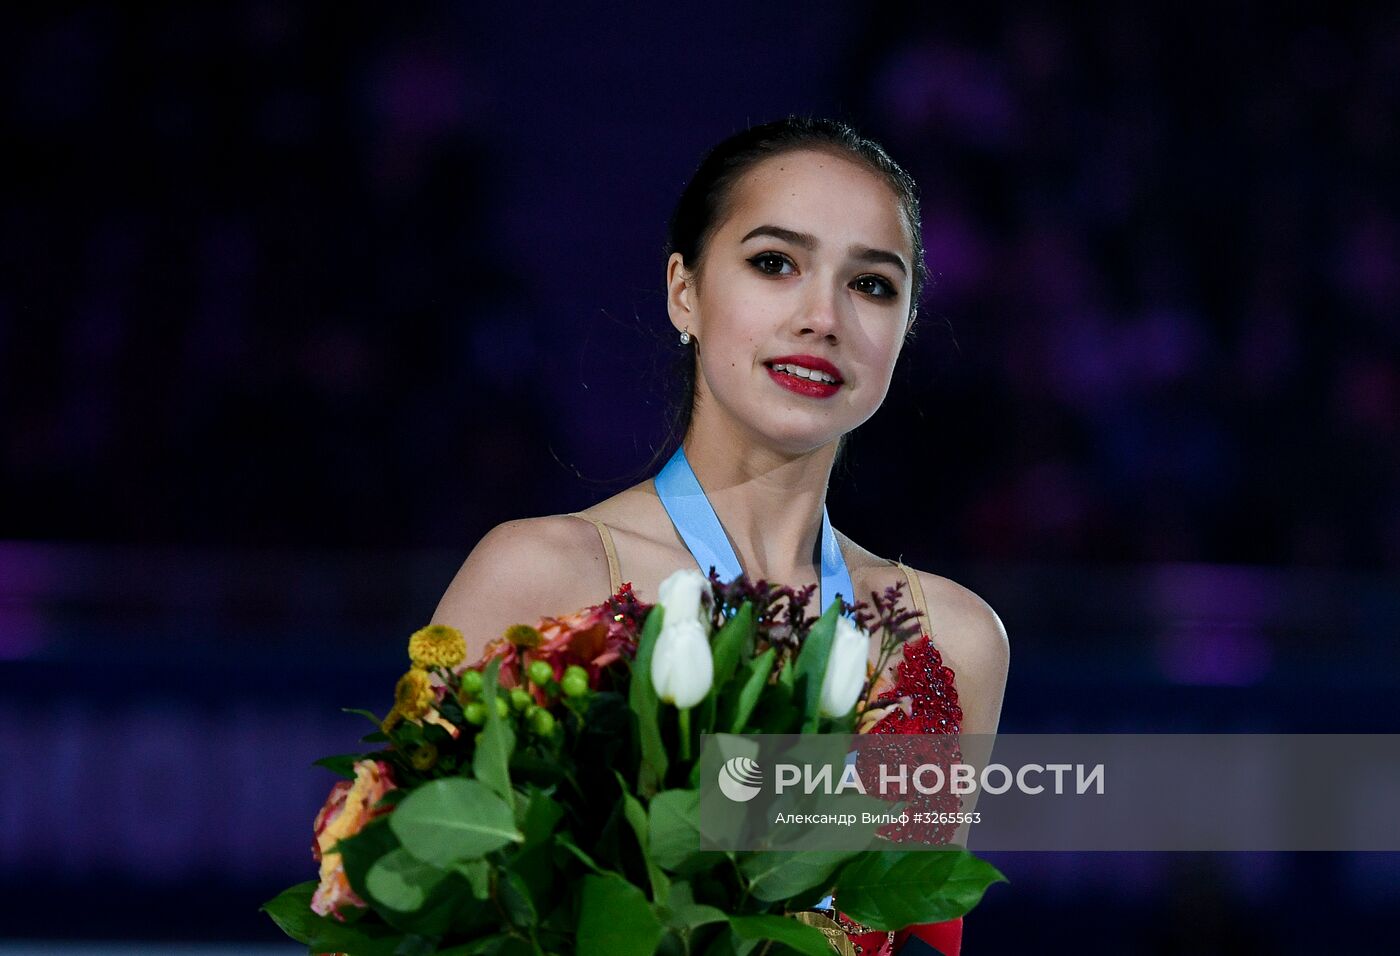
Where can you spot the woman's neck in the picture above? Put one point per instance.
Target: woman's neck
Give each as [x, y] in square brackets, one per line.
[769, 503]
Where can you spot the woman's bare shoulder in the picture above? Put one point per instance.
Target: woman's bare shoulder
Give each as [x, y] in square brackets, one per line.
[957, 608]
[967, 632]
[962, 607]
[522, 570]
[973, 642]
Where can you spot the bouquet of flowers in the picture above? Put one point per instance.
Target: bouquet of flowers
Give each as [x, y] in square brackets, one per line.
[544, 799]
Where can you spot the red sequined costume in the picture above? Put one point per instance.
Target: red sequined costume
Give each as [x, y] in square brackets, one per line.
[924, 701]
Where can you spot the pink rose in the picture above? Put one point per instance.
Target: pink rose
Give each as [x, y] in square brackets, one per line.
[348, 808]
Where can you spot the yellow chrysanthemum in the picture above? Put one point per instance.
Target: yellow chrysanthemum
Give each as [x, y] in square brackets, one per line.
[523, 635]
[424, 756]
[437, 645]
[413, 695]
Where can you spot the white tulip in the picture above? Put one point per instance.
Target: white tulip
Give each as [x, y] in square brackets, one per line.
[845, 668]
[680, 595]
[682, 667]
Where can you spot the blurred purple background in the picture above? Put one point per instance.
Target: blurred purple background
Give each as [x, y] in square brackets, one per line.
[298, 302]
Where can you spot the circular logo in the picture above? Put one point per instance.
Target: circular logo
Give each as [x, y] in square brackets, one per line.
[740, 779]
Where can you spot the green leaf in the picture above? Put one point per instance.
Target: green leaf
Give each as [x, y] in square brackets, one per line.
[782, 875]
[406, 733]
[776, 713]
[542, 812]
[513, 945]
[535, 867]
[566, 840]
[401, 881]
[728, 943]
[342, 765]
[637, 817]
[478, 874]
[731, 641]
[782, 929]
[811, 666]
[291, 910]
[449, 902]
[642, 699]
[673, 827]
[364, 713]
[471, 917]
[756, 674]
[491, 761]
[894, 889]
[417, 944]
[786, 674]
[447, 821]
[632, 809]
[378, 839]
[361, 851]
[357, 938]
[688, 916]
[515, 899]
[477, 947]
[703, 714]
[322, 934]
[615, 919]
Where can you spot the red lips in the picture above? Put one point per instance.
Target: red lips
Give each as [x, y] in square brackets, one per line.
[805, 386]
[814, 362]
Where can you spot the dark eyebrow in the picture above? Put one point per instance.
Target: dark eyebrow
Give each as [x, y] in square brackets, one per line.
[809, 242]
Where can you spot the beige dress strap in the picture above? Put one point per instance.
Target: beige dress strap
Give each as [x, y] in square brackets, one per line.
[614, 575]
[916, 594]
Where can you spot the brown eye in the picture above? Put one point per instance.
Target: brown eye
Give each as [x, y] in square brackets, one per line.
[770, 263]
[877, 286]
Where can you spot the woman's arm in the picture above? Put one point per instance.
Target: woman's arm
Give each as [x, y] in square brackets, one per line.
[521, 571]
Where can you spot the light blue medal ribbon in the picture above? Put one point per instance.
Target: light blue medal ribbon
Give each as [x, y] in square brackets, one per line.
[699, 527]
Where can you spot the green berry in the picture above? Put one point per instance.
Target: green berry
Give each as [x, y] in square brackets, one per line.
[541, 673]
[475, 712]
[575, 682]
[542, 722]
[471, 682]
[502, 708]
[520, 698]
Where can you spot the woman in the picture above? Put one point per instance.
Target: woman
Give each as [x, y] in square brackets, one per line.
[794, 273]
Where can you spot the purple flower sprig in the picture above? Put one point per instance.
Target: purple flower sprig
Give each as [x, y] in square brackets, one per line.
[779, 611]
[895, 623]
[783, 620]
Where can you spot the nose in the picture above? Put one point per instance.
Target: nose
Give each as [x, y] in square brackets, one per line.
[821, 313]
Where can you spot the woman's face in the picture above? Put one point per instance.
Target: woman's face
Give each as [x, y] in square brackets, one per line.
[813, 263]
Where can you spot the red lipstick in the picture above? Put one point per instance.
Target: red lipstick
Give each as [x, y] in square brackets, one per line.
[813, 388]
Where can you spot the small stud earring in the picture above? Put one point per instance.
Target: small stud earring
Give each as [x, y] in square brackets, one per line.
[685, 337]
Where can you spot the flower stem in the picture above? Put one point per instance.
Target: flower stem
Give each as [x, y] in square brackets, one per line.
[684, 716]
